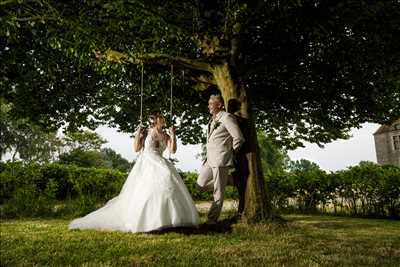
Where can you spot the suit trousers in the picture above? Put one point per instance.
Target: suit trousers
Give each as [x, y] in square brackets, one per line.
[214, 179]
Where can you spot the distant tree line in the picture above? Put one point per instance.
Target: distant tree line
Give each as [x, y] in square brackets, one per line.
[27, 142]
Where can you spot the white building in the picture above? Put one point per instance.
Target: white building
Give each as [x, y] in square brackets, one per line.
[387, 144]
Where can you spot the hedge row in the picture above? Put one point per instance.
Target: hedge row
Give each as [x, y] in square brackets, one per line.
[36, 190]
[363, 190]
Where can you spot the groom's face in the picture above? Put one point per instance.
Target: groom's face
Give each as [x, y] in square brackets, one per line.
[214, 106]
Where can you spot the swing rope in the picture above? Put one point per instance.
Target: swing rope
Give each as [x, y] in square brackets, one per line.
[141, 96]
[171, 101]
[170, 108]
[171, 89]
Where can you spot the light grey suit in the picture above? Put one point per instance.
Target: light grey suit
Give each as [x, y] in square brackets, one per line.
[223, 138]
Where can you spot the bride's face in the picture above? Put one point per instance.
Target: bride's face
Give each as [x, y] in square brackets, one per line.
[160, 121]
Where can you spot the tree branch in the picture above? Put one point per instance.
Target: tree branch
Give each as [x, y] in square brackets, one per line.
[152, 58]
[34, 18]
[203, 79]
[8, 2]
[164, 59]
[200, 78]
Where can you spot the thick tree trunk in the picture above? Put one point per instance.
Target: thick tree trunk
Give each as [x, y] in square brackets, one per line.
[253, 203]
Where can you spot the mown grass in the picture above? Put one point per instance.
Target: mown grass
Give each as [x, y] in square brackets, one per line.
[306, 240]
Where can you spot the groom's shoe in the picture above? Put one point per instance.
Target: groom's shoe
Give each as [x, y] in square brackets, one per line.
[211, 223]
[230, 181]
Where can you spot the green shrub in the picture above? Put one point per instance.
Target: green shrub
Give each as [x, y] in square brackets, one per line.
[364, 190]
[33, 190]
[280, 188]
[370, 190]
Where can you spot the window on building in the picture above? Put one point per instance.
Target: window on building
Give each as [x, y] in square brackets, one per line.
[397, 126]
[396, 142]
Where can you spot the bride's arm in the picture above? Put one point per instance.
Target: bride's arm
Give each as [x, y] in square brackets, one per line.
[138, 141]
[171, 140]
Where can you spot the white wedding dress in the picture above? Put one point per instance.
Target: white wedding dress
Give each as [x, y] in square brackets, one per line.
[153, 197]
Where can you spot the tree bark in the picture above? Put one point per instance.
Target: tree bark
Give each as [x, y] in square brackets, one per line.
[253, 203]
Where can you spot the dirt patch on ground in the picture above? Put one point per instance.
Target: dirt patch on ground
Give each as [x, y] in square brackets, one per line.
[229, 204]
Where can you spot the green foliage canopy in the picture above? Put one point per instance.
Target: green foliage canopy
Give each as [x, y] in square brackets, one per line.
[314, 68]
[274, 159]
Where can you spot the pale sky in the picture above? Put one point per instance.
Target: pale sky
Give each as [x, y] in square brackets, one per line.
[334, 156]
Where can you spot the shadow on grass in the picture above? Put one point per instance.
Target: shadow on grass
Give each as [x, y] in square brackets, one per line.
[222, 227]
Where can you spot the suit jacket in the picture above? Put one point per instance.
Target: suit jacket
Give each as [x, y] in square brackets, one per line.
[223, 137]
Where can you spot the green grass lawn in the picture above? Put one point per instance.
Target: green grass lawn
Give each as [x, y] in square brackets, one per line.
[306, 240]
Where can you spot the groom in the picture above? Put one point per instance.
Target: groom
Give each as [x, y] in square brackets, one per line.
[224, 139]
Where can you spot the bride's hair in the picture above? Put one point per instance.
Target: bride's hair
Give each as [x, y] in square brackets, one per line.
[153, 117]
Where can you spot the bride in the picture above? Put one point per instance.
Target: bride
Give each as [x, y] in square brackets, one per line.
[153, 196]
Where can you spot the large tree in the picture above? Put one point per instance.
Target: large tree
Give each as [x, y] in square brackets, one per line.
[299, 70]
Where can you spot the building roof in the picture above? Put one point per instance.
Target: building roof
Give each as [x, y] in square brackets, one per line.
[386, 128]
[383, 129]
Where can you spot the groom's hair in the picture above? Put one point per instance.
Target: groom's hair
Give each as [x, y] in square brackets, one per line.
[218, 98]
